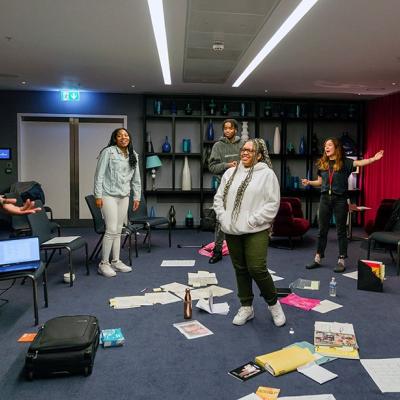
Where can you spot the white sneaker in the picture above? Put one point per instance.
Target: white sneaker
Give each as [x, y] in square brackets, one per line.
[119, 266]
[277, 314]
[106, 270]
[244, 314]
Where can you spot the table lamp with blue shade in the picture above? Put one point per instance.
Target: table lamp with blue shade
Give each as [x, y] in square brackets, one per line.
[153, 162]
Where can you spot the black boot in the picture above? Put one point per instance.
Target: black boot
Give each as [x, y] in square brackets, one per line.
[217, 256]
[313, 265]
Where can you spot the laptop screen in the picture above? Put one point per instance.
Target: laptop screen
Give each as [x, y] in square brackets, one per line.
[14, 251]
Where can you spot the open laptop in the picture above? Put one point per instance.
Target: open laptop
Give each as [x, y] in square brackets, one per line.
[19, 254]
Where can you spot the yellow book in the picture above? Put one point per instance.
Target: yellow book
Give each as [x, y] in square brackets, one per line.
[283, 361]
[338, 352]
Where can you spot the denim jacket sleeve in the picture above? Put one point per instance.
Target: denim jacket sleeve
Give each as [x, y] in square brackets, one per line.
[102, 163]
[136, 184]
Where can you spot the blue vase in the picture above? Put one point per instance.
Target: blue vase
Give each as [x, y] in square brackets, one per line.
[157, 107]
[166, 147]
[186, 145]
[210, 131]
[302, 146]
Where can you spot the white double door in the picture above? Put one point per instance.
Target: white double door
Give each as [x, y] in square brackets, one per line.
[60, 152]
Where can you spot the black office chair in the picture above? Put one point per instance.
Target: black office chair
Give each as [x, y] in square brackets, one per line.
[100, 228]
[19, 223]
[40, 227]
[33, 276]
[388, 239]
[140, 216]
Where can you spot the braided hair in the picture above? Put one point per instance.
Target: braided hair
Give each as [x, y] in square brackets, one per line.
[113, 142]
[259, 148]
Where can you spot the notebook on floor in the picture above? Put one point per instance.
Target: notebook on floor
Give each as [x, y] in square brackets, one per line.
[20, 254]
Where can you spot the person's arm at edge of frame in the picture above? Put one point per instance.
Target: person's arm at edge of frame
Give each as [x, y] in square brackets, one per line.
[8, 206]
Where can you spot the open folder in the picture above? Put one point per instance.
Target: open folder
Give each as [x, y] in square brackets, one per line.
[370, 275]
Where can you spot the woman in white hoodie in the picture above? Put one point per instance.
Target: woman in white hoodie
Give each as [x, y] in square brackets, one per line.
[246, 203]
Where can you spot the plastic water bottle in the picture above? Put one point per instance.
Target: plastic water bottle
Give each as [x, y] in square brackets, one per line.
[332, 287]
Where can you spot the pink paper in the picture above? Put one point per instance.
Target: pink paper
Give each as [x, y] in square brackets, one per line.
[300, 302]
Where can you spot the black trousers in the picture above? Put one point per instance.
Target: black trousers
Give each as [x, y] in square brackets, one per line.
[337, 205]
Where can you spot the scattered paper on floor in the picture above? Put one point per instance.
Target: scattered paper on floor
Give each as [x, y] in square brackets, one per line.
[326, 306]
[385, 372]
[178, 263]
[316, 372]
[202, 278]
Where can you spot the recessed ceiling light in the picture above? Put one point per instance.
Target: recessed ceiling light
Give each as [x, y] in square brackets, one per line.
[394, 83]
[132, 85]
[294, 18]
[23, 82]
[266, 90]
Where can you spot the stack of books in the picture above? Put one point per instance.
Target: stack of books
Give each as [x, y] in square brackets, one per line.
[335, 339]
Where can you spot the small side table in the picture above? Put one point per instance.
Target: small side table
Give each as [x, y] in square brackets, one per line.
[353, 208]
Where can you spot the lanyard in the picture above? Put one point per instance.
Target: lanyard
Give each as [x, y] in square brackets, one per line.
[330, 176]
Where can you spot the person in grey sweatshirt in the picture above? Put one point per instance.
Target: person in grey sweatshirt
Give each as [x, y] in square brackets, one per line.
[246, 204]
[224, 155]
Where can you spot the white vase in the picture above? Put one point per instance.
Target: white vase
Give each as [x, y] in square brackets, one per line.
[245, 131]
[186, 178]
[277, 141]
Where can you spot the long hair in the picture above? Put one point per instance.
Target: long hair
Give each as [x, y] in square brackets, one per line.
[259, 148]
[323, 162]
[113, 142]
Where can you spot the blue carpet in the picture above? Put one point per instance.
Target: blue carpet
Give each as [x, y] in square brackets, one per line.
[157, 362]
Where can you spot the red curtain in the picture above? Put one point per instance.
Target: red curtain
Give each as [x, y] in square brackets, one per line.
[381, 180]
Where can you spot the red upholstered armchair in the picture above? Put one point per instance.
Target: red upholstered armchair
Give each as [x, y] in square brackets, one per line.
[290, 221]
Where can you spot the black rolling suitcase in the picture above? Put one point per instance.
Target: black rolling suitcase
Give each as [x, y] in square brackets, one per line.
[66, 344]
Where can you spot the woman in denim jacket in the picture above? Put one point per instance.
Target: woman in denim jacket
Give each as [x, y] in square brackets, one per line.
[117, 173]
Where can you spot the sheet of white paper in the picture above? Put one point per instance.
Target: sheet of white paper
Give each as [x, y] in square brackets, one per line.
[175, 287]
[202, 278]
[384, 372]
[316, 372]
[62, 240]
[162, 298]
[276, 278]
[352, 275]
[270, 271]
[326, 306]
[129, 302]
[217, 308]
[251, 396]
[310, 397]
[178, 263]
